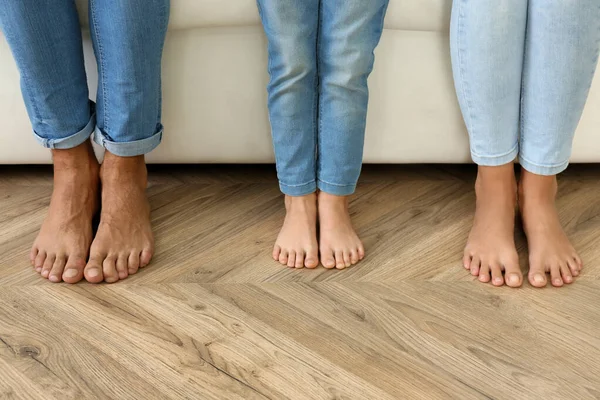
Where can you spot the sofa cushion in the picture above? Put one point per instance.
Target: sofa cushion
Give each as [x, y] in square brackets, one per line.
[416, 15]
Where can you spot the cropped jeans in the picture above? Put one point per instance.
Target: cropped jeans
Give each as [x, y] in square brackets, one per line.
[320, 56]
[523, 70]
[128, 37]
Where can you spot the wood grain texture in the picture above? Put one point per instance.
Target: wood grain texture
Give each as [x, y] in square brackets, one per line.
[214, 317]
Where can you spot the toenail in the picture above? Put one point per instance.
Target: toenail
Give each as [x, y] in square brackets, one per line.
[513, 279]
[71, 273]
[538, 279]
[93, 273]
[498, 280]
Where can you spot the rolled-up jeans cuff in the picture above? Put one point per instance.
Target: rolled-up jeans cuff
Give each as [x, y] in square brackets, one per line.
[71, 141]
[128, 149]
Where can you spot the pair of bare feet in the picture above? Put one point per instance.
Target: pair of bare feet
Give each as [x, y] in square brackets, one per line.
[66, 248]
[338, 245]
[491, 253]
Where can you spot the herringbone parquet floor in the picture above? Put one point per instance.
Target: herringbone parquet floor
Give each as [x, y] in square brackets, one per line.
[215, 318]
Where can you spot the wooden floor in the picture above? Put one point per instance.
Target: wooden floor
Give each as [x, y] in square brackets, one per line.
[215, 318]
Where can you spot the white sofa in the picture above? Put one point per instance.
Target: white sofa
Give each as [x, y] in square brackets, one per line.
[215, 97]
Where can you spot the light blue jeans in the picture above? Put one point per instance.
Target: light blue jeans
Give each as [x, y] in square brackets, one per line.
[128, 36]
[320, 56]
[523, 69]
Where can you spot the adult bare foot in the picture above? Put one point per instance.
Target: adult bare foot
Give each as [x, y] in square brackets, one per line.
[339, 244]
[491, 249]
[124, 241]
[296, 245]
[61, 248]
[550, 251]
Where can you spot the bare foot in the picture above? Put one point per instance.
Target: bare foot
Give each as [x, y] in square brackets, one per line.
[339, 245]
[61, 248]
[296, 245]
[124, 241]
[491, 246]
[550, 251]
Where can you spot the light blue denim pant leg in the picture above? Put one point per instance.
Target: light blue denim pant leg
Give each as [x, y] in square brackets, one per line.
[523, 70]
[128, 36]
[320, 56]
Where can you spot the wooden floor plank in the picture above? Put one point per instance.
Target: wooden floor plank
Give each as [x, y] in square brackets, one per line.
[214, 317]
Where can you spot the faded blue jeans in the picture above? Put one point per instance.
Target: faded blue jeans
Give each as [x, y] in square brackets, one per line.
[320, 56]
[523, 70]
[128, 37]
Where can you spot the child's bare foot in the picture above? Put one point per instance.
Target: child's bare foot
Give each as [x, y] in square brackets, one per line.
[339, 245]
[296, 245]
[61, 248]
[550, 251]
[124, 241]
[491, 246]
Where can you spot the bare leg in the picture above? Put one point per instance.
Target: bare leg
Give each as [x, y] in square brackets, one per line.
[124, 242]
[61, 248]
[550, 251]
[491, 250]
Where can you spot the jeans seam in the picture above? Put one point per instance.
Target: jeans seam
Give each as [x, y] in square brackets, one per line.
[596, 55]
[317, 109]
[299, 185]
[543, 165]
[101, 65]
[165, 16]
[524, 76]
[515, 147]
[460, 35]
[337, 184]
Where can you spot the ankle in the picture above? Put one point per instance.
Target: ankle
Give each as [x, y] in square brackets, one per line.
[301, 203]
[327, 200]
[537, 188]
[498, 182]
[124, 169]
[75, 160]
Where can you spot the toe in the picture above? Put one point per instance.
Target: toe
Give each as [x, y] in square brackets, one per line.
[339, 259]
[93, 270]
[512, 274]
[537, 279]
[146, 257]
[109, 269]
[327, 258]
[276, 252]
[133, 263]
[467, 261]
[475, 266]
[537, 273]
[565, 272]
[578, 261]
[283, 257]
[347, 258]
[32, 255]
[484, 273]
[555, 275]
[496, 270]
[48, 264]
[354, 257]
[312, 259]
[74, 269]
[122, 261]
[291, 259]
[57, 269]
[361, 252]
[38, 263]
[574, 267]
[299, 260]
